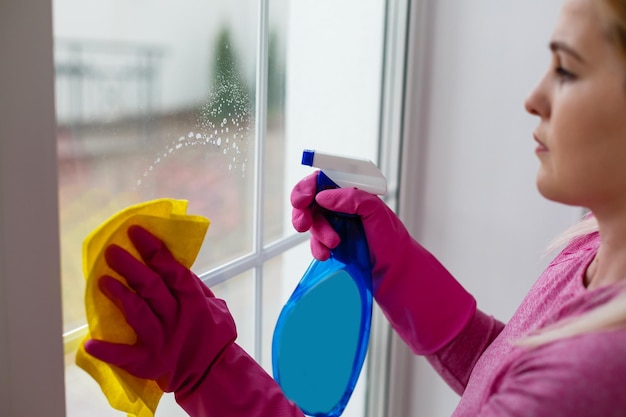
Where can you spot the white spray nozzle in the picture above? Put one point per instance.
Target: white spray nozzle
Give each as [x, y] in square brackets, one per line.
[348, 172]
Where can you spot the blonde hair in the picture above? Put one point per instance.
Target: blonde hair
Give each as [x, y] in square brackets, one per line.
[587, 225]
[613, 14]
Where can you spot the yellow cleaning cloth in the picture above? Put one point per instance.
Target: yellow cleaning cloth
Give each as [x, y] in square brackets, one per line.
[183, 234]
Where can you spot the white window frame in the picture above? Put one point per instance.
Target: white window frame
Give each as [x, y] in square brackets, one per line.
[31, 346]
[31, 349]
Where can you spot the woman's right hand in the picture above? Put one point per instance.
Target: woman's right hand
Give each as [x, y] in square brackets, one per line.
[421, 299]
[385, 233]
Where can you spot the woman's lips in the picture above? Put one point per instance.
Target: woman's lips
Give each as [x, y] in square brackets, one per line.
[540, 145]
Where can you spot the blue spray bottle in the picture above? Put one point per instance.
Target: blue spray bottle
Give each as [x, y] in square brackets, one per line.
[322, 333]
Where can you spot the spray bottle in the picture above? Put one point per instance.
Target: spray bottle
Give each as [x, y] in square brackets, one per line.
[322, 333]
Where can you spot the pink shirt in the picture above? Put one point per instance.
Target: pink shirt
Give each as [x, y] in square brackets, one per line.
[574, 377]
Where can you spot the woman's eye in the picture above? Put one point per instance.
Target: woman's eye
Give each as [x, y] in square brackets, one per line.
[563, 74]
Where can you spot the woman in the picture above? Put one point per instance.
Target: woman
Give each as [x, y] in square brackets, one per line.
[563, 353]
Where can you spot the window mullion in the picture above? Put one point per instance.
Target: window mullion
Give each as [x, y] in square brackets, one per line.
[259, 189]
[391, 120]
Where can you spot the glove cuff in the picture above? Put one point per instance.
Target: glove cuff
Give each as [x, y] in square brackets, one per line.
[237, 386]
[423, 302]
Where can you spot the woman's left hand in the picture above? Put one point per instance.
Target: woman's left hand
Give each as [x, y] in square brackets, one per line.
[181, 327]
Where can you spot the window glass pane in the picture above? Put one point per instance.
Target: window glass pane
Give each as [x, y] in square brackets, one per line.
[332, 95]
[280, 277]
[154, 99]
[333, 73]
[275, 186]
[238, 292]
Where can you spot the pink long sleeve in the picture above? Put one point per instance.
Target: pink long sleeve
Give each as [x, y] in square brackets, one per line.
[573, 377]
[457, 360]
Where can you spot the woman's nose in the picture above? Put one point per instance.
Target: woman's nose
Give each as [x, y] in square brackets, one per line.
[537, 103]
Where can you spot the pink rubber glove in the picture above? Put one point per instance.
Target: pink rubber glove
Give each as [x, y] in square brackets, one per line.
[423, 302]
[236, 386]
[185, 337]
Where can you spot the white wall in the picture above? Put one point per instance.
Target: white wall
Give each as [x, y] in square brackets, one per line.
[475, 205]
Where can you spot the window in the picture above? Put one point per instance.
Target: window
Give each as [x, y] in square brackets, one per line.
[211, 102]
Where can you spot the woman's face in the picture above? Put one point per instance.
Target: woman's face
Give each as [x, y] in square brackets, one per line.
[581, 103]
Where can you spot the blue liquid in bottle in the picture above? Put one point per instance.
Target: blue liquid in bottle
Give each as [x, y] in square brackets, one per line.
[322, 334]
